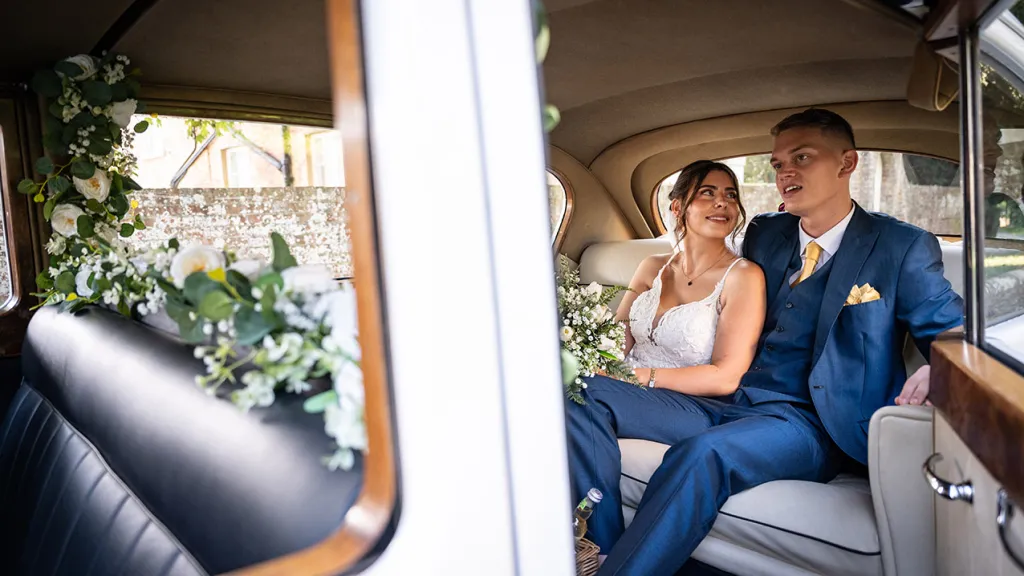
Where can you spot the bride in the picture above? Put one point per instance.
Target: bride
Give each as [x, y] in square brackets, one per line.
[694, 318]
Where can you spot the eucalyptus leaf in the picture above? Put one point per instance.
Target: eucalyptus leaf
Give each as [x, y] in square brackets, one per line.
[269, 279]
[86, 226]
[95, 206]
[216, 306]
[126, 230]
[317, 404]
[83, 169]
[173, 244]
[66, 282]
[99, 147]
[176, 309]
[68, 134]
[551, 117]
[43, 281]
[191, 331]
[27, 186]
[60, 184]
[251, 326]
[141, 127]
[283, 258]
[117, 204]
[116, 183]
[96, 93]
[68, 68]
[44, 166]
[198, 285]
[130, 184]
[48, 208]
[47, 84]
[56, 113]
[119, 92]
[240, 283]
[139, 224]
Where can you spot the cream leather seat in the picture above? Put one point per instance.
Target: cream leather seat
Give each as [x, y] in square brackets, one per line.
[852, 526]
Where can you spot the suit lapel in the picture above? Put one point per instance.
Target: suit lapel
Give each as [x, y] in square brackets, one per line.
[777, 256]
[857, 242]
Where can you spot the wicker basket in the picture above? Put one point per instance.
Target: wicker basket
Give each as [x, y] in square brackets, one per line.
[586, 557]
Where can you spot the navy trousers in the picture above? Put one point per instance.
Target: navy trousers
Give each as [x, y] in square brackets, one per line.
[718, 447]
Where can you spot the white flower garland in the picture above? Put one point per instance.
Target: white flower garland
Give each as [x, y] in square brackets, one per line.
[287, 324]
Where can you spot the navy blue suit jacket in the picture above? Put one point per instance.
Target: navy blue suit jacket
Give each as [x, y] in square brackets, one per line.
[857, 363]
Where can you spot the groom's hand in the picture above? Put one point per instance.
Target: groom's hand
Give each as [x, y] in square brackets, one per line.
[915, 391]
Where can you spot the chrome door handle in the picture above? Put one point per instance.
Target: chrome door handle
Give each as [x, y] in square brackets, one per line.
[944, 488]
[1004, 513]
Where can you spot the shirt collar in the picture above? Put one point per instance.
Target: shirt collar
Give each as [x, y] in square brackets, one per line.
[829, 241]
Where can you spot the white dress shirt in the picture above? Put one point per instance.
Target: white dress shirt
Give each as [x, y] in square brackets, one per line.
[828, 242]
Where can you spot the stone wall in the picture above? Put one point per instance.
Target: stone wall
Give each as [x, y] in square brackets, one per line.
[312, 220]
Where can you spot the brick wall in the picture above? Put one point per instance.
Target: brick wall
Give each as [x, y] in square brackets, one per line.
[312, 220]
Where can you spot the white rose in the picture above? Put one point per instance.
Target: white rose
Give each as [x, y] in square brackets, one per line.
[594, 289]
[312, 279]
[566, 334]
[64, 219]
[121, 112]
[96, 188]
[82, 283]
[86, 63]
[607, 344]
[251, 269]
[195, 258]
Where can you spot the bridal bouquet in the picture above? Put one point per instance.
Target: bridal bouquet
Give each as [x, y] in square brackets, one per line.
[592, 341]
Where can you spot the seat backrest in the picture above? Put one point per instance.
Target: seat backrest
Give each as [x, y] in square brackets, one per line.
[613, 263]
[112, 461]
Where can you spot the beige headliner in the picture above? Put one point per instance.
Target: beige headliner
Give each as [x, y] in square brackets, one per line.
[617, 68]
[631, 169]
[239, 52]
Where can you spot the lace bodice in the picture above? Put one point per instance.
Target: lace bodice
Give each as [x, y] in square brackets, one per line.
[685, 334]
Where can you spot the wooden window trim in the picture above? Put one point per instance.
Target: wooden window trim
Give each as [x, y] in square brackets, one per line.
[563, 226]
[983, 401]
[25, 227]
[367, 522]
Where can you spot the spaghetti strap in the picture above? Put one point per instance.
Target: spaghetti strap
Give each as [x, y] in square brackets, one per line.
[721, 285]
[729, 269]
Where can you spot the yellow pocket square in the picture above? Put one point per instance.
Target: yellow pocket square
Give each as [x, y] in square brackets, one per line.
[862, 294]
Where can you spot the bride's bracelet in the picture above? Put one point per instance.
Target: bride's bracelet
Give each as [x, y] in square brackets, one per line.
[650, 381]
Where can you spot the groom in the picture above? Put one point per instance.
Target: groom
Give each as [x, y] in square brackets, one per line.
[844, 288]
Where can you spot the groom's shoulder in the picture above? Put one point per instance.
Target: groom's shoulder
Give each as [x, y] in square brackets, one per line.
[772, 222]
[894, 230]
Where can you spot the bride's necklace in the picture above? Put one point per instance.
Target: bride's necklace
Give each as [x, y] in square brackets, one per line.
[691, 279]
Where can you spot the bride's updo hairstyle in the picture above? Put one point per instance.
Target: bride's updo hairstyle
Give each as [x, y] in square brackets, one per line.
[685, 190]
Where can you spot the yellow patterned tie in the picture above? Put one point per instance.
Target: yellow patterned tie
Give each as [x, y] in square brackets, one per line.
[813, 252]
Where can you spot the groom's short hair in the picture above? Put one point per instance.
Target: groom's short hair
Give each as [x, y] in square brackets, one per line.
[827, 121]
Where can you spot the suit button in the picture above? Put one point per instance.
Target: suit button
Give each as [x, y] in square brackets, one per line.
[789, 305]
[769, 347]
[780, 329]
[757, 368]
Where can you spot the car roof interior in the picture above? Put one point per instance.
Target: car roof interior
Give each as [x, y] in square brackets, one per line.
[643, 87]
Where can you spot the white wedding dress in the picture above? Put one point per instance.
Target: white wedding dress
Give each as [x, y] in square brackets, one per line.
[684, 335]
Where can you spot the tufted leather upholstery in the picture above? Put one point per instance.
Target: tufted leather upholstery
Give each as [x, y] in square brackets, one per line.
[112, 461]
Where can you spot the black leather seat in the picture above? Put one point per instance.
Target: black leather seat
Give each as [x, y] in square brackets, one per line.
[112, 461]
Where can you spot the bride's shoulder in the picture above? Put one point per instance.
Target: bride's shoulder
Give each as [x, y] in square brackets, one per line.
[744, 275]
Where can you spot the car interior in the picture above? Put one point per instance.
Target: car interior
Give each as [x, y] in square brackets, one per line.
[171, 483]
